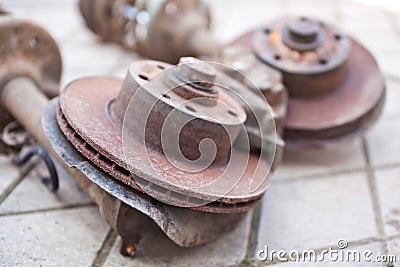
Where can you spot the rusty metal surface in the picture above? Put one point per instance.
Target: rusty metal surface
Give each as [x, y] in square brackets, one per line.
[123, 175]
[221, 115]
[3, 12]
[15, 136]
[185, 227]
[329, 47]
[262, 89]
[105, 18]
[27, 50]
[258, 76]
[159, 29]
[20, 97]
[307, 73]
[108, 140]
[341, 102]
[88, 116]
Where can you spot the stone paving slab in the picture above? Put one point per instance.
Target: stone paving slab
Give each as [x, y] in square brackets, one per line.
[394, 249]
[56, 238]
[8, 173]
[392, 107]
[384, 142]
[31, 194]
[319, 160]
[388, 184]
[315, 213]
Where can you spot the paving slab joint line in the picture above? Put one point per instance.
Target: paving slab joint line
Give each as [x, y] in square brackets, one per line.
[392, 76]
[320, 176]
[374, 195]
[392, 21]
[66, 207]
[387, 166]
[105, 249]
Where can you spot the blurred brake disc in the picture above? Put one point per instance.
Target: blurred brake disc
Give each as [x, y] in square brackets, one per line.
[335, 85]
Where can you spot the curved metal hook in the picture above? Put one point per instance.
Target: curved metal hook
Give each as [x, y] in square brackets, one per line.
[52, 181]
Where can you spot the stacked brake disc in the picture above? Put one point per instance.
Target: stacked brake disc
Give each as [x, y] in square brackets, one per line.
[118, 125]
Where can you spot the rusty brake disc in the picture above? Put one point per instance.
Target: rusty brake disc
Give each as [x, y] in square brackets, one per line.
[185, 227]
[91, 114]
[335, 86]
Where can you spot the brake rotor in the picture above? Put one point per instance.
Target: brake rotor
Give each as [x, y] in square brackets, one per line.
[91, 116]
[335, 85]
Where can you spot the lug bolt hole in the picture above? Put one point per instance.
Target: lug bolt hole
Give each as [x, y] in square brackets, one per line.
[166, 96]
[190, 108]
[232, 113]
[267, 30]
[338, 37]
[143, 77]
[160, 67]
[323, 61]
[277, 57]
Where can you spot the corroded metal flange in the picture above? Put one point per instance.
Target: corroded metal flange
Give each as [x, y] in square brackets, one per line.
[92, 118]
[159, 29]
[27, 50]
[335, 86]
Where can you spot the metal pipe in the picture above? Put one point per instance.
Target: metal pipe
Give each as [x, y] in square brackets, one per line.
[26, 103]
[21, 97]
